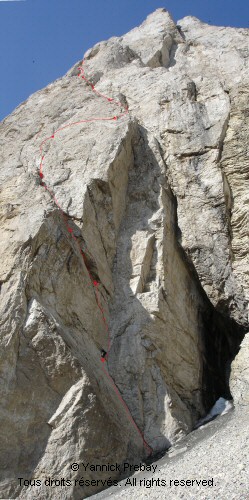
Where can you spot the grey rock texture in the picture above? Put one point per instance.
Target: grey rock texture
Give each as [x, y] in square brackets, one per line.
[239, 380]
[157, 204]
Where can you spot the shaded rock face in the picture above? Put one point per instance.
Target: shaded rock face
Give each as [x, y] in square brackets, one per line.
[157, 202]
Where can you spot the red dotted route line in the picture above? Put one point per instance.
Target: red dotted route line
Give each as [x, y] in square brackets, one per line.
[92, 282]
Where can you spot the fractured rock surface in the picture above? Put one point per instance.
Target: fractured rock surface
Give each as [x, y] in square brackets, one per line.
[158, 204]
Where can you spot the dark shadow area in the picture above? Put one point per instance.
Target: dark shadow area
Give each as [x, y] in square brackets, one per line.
[221, 339]
[178, 27]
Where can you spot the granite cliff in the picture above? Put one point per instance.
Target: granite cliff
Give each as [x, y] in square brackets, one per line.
[124, 243]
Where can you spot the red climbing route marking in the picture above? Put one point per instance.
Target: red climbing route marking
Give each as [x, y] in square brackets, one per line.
[150, 450]
[92, 281]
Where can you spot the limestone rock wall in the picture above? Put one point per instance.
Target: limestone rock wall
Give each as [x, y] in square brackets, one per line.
[239, 379]
[156, 202]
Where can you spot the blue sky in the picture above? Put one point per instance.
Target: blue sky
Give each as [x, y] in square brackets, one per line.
[41, 39]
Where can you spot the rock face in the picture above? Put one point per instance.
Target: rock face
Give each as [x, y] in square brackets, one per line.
[240, 375]
[133, 240]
